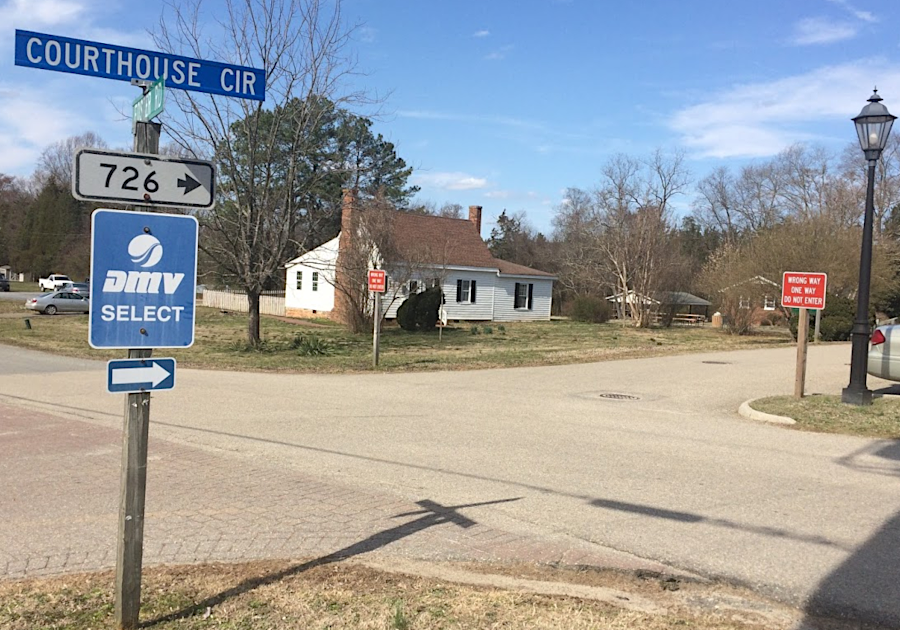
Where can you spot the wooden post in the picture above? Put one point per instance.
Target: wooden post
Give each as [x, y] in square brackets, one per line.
[130, 541]
[377, 329]
[802, 334]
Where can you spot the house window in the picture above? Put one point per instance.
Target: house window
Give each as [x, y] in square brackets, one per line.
[743, 302]
[315, 281]
[524, 296]
[413, 287]
[299, 280]
[465, 291]
[433, 282]
[769, 303]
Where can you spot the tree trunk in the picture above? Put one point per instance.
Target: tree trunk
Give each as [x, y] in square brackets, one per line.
[253, 338]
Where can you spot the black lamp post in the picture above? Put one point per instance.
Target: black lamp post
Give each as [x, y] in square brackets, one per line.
[873, 126]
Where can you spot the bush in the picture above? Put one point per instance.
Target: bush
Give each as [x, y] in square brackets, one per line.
[309, 346]
[406, 314]
[420, 311]
[589, 308]
[428, 306]
[837, 319]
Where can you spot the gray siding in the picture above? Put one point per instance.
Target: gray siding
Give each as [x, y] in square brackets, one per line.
[481, 310]
[504, 300]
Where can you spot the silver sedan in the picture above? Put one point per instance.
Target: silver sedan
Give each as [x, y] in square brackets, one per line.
[59, 302]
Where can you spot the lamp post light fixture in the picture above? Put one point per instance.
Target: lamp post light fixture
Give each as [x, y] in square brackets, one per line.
[873, 126]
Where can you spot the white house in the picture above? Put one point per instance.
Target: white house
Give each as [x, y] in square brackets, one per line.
[476, 286]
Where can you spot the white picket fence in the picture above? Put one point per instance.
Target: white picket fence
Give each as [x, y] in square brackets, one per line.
[270, 302]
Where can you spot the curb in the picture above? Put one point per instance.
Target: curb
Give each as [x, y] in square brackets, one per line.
[749, 412]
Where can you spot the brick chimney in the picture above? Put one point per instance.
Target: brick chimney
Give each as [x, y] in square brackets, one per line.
[345, 243]
[475, 217]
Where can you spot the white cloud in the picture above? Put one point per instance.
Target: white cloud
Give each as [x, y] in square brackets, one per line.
[498, 194]
[812, 31]
[470, 118]
[865, 16]
[450, 181]
[41, 12]
[367, 34]
[500, 53]
[482, 33]
[761, 119]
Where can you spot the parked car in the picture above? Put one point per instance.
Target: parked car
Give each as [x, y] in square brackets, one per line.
[53, 282]
[59, 302]
[81, 288]
[4, 284]
[884, 353]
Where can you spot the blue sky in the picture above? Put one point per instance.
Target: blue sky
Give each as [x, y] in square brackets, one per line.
[507, 103]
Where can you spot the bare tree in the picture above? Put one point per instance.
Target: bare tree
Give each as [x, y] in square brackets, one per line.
[622, 231]
[302, 45]
[56, 161]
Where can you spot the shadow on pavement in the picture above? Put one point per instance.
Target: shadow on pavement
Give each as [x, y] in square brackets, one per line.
[866, 587]
[688, 517]
[430, 515]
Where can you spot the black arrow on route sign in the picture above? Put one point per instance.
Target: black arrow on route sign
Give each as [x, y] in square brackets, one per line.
[188, 183]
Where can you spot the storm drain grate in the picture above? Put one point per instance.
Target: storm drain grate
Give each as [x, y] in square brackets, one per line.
[717, 362]
[611, 396]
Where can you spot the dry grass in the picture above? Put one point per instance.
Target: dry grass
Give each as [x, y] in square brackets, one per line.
[322, 346]
[276, 595]
[827, 414]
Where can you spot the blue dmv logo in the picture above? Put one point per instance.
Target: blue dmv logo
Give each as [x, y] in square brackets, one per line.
[143, 279]
[78, 56]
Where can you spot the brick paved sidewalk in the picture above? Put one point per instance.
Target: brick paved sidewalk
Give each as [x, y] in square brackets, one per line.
[59, 502]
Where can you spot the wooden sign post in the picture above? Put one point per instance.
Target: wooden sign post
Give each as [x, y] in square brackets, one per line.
[802, 290]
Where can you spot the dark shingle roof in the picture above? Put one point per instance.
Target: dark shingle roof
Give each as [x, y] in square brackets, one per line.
[513, 269]
[440, 241]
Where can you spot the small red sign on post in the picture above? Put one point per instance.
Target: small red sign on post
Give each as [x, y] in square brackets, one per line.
[377, 280]
[803, 290]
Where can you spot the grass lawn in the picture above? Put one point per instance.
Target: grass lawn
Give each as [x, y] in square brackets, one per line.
[827, 414]
[323, 346]
[279, 596]
[24, 287]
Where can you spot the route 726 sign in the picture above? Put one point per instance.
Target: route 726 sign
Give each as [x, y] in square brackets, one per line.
[138, 178]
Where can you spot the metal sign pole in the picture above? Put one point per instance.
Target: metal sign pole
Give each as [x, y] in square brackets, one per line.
[802, 342]
[130, 542]
[377, 329]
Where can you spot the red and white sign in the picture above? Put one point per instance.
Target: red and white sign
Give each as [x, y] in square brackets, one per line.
[377, 280]
[803, 290]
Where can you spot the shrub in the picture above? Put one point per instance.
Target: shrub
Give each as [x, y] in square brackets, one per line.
[428, 305]
[837, 319]
[488, 330]
[590, 308]
[406, 314]
[474, 330]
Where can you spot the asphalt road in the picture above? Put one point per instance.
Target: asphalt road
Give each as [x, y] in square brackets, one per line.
[643, 456]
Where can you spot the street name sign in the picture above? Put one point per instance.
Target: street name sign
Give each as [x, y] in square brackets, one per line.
[377, 280]
[107, 61]
[143, 280]
[144, 179]
[151, 104]
[803, 290]
[139, 375]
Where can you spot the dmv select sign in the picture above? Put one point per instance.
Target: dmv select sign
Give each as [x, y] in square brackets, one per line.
[64, 54]
[803, 290]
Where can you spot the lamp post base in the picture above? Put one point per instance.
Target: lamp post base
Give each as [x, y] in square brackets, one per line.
[854, 396]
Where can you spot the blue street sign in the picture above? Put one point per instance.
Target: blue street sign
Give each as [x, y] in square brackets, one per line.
[143, 279]
[64, 54]
[139, 375]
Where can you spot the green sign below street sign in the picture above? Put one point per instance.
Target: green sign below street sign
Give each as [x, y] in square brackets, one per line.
[150, 105]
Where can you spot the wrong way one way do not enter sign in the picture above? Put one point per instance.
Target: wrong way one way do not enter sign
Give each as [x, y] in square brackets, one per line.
[803, 290]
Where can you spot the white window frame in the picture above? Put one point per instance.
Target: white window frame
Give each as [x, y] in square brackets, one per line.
[769, 303]
[299, 283]
[465, 292]
[315, 280]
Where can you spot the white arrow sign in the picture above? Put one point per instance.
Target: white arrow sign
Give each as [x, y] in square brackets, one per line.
[145, 179]
[155, 374]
